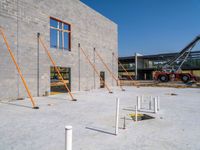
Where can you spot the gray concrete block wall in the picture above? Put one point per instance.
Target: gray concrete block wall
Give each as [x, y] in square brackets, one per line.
[22, 20]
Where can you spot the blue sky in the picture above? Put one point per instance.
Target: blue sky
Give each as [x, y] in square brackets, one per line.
[152, 26]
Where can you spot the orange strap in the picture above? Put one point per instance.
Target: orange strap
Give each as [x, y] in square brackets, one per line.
[109, 70]
[19, 70]
[122, 67]
[56, 68]
[94, 67]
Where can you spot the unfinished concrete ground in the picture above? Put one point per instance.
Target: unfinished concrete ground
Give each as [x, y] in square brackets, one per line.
[175, 127]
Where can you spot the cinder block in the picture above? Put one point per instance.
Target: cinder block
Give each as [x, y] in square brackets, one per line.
[24, 19]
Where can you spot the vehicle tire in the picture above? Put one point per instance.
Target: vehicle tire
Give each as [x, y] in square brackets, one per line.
[163, 78]
[185, 78]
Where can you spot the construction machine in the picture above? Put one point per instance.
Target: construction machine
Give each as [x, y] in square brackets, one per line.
[172, 69]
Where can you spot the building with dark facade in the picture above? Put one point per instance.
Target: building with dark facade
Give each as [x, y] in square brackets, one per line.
[142, 67]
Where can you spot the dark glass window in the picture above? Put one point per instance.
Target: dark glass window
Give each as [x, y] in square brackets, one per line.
[53, 23]
[66, 27]
[60, 34]
[61, 40]
[53, 37]
[66, 40]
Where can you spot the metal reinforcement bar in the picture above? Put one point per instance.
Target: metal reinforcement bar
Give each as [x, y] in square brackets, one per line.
[94, 67]
[109, 70]
[122, 66]
[19, 70]
[55, 66]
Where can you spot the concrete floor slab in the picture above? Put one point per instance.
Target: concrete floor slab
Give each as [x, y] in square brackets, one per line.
[175, 127]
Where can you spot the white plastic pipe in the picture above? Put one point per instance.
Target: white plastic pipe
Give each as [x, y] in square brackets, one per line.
[138, 102]
[141, 101]
[155, 105]
[158, 103]
[117, 117]
[151, 98]
[136, 113]
[68, 137]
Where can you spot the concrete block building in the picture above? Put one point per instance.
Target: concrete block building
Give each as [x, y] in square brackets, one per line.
[62, 25]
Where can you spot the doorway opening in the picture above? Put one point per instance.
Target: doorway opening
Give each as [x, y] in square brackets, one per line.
[102, 80]
[57, 86]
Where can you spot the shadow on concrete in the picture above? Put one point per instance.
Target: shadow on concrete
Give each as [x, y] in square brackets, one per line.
[12, 104]
[128, 109]
[127, 119]
[99, 130]
[141, 110]
[57, 98]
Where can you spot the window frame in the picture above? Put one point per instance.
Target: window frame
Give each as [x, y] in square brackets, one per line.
[62, 31]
